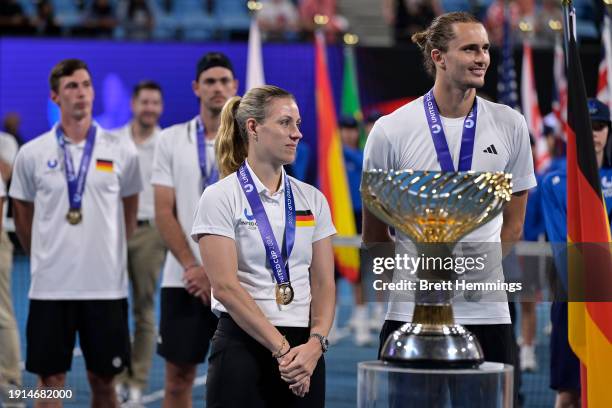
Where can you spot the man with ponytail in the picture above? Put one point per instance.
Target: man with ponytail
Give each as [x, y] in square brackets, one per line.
[451, 129]
[183, 166]
[265, 240]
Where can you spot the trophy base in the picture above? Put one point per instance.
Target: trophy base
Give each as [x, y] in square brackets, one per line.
[432, 346]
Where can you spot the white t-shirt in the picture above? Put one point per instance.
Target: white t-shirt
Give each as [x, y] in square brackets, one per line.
[224, 210]
[87, 260]
[176, 165]
[2, 188]
[402, 140]
[8, 151]
[146, 152]
[8, 148]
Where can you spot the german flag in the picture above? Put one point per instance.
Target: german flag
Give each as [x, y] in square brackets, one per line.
[104, 165]
[304, 219]
[589, 257]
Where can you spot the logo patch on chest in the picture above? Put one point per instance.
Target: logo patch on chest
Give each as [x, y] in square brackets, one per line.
[304, 218]
[104, 165]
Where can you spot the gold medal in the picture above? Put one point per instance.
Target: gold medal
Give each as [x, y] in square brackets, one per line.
[284, 293]
[74, 216]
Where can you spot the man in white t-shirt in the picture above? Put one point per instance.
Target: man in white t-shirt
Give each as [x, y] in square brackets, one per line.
[10, 372]
[184, 165]
[456, 52]
[146, 249]
[75, 190]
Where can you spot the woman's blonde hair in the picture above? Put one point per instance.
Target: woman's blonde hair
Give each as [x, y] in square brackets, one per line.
[232, 142]
[438, 35]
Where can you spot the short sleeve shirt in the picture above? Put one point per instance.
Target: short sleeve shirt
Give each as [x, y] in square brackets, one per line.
[224, 210]
[402, 140]
[87, 260]
[146, 152]
[176, 165]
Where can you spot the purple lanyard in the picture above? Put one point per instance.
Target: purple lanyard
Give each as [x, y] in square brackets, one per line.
[439, 138]
[278, 260]
[76, 183]
[213, 176]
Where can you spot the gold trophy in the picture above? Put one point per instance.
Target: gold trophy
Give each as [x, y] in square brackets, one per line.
[435, 210]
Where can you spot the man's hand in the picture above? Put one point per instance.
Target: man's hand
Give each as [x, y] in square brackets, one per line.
[197, 283]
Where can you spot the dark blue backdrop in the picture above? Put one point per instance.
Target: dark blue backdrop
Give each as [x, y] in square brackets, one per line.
[117, 66]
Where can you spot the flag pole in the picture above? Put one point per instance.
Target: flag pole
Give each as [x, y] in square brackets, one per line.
[567, 5]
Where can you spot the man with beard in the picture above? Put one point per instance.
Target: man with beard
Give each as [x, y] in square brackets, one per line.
[450, 129]
[183, 167]
[146, 249]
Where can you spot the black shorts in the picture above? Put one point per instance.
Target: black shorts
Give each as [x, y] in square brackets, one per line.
[243, 373]
[497, 341]
[185, 328]
[102, 326]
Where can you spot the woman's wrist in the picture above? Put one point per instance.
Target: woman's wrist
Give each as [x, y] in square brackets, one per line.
[282, 349]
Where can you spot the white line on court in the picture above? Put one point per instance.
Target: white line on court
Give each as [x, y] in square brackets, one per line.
[158, 395]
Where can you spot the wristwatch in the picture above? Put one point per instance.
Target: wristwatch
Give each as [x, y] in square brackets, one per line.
[322, 339]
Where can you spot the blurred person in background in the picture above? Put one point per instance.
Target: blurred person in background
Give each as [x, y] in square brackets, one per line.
[13, 20]
[278, 19]
[100, 19]
[336, 25]
[136, 18]
[11, 123]
[409, 16]
[564, 365]
[353, 161]
[10, 356]
[185, 165]
[146, 250]
[370, 120]
[44, 21]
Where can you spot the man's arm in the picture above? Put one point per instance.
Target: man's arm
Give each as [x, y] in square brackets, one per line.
[130, 212]
[23, 216]
[169, 227]
[374, 230]
[5, 170]
[514, 217]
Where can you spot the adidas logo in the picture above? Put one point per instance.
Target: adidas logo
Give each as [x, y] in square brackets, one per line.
[490, 149]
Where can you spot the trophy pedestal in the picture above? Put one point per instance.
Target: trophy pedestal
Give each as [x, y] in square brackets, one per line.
[432, 346]
[382, 385]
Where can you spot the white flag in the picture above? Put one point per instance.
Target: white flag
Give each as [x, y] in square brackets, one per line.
[604, 80]
[255, 70]
[531, 109]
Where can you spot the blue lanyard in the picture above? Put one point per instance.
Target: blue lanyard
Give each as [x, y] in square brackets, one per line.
[76, 182]
[439, 138]
[213, 176]
[278, 260]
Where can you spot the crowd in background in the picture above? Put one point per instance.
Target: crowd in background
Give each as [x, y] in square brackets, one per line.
[279, 20]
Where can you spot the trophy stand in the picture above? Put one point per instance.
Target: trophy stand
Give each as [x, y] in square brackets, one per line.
[435, 210]
[382, 385]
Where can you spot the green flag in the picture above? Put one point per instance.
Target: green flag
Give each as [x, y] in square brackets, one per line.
[350, 93]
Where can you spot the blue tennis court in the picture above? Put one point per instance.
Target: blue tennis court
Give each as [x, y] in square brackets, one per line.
[341, 360]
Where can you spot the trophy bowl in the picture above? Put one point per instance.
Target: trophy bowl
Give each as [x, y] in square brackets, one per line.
[434, 210]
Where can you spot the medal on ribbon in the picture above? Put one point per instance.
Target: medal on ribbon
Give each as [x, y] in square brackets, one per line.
[439, 138]
[279, 260]
[208, 177]
[76, 182]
